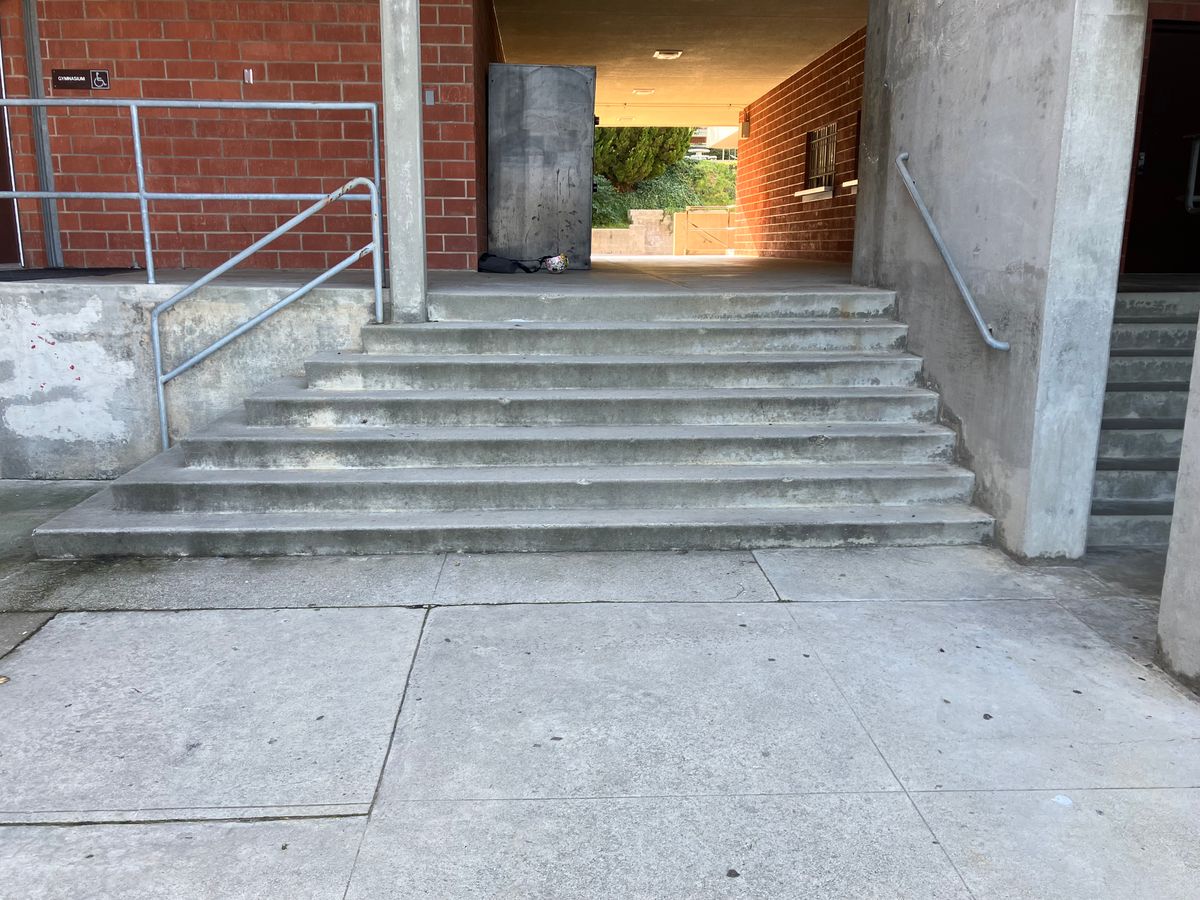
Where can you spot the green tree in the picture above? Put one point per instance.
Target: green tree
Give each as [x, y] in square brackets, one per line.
[629, 156]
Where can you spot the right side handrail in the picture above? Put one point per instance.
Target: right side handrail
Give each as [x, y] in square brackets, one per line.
[984, 330]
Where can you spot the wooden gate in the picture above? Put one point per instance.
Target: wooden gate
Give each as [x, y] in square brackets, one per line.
[704, 231]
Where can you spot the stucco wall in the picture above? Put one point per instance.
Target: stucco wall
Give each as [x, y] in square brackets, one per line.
[1019, 119]
[76, 372]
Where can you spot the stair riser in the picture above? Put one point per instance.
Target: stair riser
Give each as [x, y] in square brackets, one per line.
[1134, 485]
[400, 453]
[724, 411]
[607, 342]
[1153, 337]
[1149, 370]
[658, 308]
[1129, 531]
[1150, 444]
[374, 497]
[1145, 405]
[1135, 305]
[507, 539]
[362, 375]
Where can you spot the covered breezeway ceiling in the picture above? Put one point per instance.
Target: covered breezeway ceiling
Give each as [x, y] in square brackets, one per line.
[734, 51]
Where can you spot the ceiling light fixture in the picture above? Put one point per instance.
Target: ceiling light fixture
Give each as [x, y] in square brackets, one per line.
[668, 54]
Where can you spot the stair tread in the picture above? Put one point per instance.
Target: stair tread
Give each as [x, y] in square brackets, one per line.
[234, 427]
[98, 516]
[680, 359]
[297, 389]
[810, 323]
[169, 468]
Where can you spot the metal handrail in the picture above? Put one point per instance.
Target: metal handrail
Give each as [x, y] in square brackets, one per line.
[143, 197]
[374, 248]
[985, 330]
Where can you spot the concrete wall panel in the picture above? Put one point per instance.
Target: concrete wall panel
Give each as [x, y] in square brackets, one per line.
[77, 375]
[1019, 119]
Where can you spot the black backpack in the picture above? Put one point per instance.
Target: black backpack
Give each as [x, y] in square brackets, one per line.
[490, 262]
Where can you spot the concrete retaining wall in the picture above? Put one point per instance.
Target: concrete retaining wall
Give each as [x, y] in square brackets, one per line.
[77, 393]
[652, 233]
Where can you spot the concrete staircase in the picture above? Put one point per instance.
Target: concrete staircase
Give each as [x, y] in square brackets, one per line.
[1154, 337]
[519, 422]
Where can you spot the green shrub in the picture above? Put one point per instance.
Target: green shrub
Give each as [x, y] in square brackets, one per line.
[687, 183]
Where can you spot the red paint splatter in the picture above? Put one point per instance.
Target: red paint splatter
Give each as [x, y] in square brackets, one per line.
[77, 377]
[71, 367]
[33, 346]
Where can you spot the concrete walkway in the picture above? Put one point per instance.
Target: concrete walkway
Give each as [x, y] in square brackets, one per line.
[808, 724]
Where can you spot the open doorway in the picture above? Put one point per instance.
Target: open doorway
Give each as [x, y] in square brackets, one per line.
[1164, 222]
[767, 96]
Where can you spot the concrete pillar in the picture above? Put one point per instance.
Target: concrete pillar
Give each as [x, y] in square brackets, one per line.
[1019, 118]
[400, 36]
[1179, 615]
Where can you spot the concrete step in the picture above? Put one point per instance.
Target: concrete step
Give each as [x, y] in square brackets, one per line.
[1155, 485]
[95, 529]
[551, 304]
[1153, 337]
[1139, 306]
[1142, 525]
[291, 404]
[1140, 404]
[1164, 372]
[617, 338]
[1141, 443]
[233, 445]
[360, 371]
[163, 485]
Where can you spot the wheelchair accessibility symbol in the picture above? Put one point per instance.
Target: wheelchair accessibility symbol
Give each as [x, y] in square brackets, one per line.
[98, 78]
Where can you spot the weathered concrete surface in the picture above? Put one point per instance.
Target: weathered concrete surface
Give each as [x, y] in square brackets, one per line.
[1030, 845]
[17, 627]
[1019, 120]
[400, 42]
[603, 578]
[1179, 618]
[26, 504]
[917, 573]
[183, 861]
[225, 583]
[815, 847]
[216, 714]
[617, 701]
[540, 139]
[77, 393]
[1003, 695]
[1128, 623]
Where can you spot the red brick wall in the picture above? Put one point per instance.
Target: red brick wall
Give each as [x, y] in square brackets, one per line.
[457, 42]
[771, 161]
[197, 49]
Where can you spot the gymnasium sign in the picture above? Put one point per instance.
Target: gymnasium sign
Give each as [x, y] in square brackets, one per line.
[79, 79]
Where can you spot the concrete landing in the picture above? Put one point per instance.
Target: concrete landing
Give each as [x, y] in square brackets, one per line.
[896, 722]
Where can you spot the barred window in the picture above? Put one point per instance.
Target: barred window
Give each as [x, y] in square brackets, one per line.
[820, 164]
